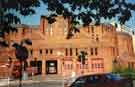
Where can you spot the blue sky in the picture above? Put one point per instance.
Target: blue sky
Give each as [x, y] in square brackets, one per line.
[35, 19]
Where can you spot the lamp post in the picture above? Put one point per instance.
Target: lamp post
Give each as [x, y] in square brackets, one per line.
[81, 59]
[21, 53]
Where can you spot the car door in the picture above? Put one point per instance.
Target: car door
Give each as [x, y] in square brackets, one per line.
[80, 82]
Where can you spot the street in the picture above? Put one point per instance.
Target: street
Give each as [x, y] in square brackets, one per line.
[39, 84]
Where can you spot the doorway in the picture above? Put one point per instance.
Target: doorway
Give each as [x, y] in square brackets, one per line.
[51, 67]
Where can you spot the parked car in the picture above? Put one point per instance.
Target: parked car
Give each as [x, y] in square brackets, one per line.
[99, 80]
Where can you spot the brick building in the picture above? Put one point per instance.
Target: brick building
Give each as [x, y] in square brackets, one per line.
[52, 53]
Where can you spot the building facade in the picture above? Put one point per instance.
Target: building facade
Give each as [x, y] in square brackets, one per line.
[52, 53]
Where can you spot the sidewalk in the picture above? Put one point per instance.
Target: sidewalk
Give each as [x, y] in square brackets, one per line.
[34, 79]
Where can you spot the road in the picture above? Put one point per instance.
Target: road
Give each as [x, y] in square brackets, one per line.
[39, 84]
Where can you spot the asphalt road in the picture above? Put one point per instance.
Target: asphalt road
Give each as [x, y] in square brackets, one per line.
[41, 84]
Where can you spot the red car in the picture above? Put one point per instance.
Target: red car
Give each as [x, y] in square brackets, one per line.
[101, 80]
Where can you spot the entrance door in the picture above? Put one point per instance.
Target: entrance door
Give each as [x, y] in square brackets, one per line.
[51, 67]
[37, 65]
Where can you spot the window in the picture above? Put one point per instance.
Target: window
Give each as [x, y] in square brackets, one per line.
[96, 51]
[71, 52]
[113, 51]
[46, 51]
[66, 52]
[31, 52]
[97, 38]
[91, 50]
[51, 51]
[40, 51]
[76, 50]
[23, 31]
[68, 66]
[97, 65]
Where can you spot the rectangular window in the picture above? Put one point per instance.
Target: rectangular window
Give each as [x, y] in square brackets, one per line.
[23, 31]
[31, 52]
[92, 29]
[66, 52]
[97, 38]
[71, 52]
[76, 50]
[40, 51]
[113, 51]
[46, 51]
[51, 51]
[97, 65]
[96, 51]
[91, 50]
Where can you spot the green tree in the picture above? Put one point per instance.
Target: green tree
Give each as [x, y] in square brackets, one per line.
[125, 72]
[88, 11]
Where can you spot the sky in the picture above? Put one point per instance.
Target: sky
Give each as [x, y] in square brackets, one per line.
[35, 19]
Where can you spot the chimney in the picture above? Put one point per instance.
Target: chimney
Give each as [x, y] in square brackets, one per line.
[42, 24]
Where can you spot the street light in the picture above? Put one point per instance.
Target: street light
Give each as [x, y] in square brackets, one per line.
[21, 53]
[82, 58]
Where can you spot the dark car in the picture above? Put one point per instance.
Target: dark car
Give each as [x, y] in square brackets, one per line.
[101, 80]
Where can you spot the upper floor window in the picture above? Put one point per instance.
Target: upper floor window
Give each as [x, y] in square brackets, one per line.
[92, 29]
[91, 50]
[40, 51]
[96, 51]
[23, 31]
[97, 38]
[71, 52]
[31, 52]
[46, 51]
[76, 50]
[66, 52]
[51, 51]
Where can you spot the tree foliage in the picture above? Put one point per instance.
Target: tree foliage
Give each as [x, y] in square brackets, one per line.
[88, 11]
[11, 12]
[91, 10]
[125, 72]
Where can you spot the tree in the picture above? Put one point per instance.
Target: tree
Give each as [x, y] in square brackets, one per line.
[12, 10]
[91, 10]
[88, 11]
[125, 72]
[22, 54]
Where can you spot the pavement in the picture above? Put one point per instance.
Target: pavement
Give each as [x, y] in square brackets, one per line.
[35, 81]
